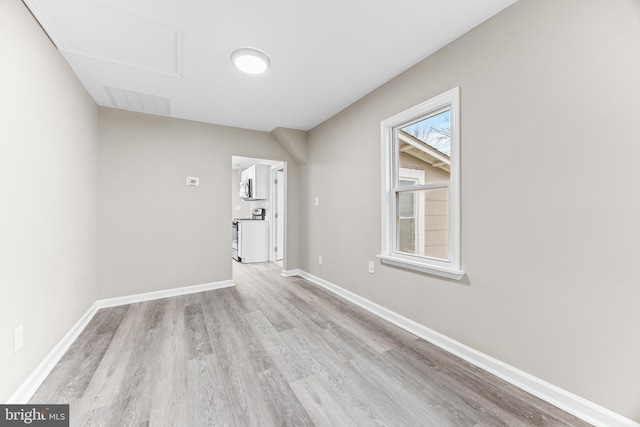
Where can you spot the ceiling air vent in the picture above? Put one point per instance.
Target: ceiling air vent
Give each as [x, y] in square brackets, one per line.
[136, 101]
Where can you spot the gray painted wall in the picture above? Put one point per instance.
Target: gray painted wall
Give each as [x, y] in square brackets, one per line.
[156, 233]
[48, 213]
[550, 100]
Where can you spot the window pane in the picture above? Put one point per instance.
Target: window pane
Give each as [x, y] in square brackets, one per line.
[406, 235]
[406, 205]
[427, 234]
[426, 146]
[435, 131]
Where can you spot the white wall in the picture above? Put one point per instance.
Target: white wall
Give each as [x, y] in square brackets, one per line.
[550, 100]
[48, 210]
[156, 233]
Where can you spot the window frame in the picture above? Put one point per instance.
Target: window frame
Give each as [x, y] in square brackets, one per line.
[451, 268]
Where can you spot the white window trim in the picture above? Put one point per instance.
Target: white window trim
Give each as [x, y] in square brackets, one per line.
[451, 268]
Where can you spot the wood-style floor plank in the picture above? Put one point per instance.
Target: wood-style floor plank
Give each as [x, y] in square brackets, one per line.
[321, 405]
[274, 351]
[106, 381]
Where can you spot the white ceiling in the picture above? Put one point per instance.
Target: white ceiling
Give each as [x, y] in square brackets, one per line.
[171, 57]
[239, 162]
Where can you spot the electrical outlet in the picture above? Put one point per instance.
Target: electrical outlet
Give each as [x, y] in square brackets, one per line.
[19, 338]
[317, 201]
[372, 267]
[320, 259]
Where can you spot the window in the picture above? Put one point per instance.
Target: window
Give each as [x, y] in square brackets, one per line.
[421, 187]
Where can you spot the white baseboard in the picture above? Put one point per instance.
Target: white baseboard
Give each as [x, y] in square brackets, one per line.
[290, 273]
[37, 377]
[569, 402]
[149, 296]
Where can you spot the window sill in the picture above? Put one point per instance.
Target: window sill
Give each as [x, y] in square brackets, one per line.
[422, 267]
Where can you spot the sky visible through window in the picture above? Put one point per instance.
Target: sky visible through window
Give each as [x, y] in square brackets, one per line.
[434, 131]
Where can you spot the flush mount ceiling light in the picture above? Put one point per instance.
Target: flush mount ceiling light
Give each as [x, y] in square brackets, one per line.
[250, 60]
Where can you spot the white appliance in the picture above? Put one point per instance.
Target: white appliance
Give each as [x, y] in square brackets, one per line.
[254, 182]
[250, 241]
[245, 189]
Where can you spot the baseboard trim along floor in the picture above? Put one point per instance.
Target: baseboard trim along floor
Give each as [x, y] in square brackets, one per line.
[290, 273]
[569, 402]
[31, 384]
[168, 293]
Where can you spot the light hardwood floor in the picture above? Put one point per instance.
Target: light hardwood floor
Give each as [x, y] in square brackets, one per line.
[273, 351]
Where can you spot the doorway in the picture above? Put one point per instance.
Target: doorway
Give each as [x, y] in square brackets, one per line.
[273, 203]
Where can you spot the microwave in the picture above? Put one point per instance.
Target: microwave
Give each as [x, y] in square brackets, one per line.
[246, 189]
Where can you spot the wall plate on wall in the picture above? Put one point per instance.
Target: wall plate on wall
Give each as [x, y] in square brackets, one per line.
[193, 181]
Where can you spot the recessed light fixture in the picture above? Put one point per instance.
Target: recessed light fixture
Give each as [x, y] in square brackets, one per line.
[250, 60]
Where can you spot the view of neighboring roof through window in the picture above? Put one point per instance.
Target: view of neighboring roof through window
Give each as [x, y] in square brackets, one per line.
[435, 131]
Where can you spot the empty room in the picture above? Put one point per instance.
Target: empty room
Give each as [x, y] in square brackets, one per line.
[338, 213]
